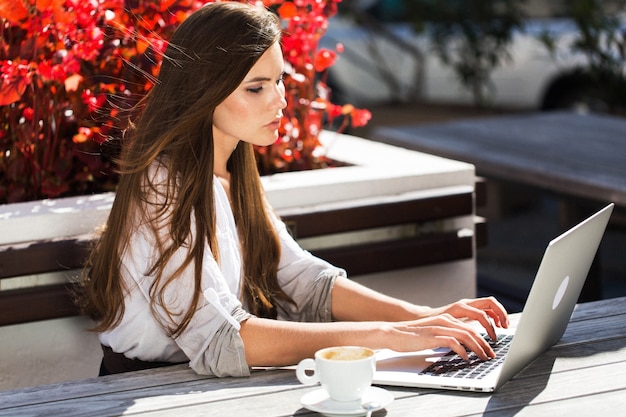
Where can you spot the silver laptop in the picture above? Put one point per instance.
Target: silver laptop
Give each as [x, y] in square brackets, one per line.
[549, 306]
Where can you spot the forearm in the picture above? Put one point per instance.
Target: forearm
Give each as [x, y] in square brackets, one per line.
[279, 343]
[354, 302]
[359, 315]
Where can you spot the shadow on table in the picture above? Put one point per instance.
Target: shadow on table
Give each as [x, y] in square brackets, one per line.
[520, 392]
[303, 412]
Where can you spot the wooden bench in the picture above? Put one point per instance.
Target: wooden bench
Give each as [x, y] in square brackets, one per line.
[50, 301]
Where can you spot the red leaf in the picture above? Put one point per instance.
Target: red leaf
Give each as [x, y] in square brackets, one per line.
[13, 10]
[287, 10]
[58, 10]
[12, 90]
[324, 59]
[360, 117]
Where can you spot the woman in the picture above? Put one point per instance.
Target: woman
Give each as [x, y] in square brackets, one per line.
[194, 266]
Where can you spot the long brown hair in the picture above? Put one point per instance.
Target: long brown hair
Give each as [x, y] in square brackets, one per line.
[207, 58]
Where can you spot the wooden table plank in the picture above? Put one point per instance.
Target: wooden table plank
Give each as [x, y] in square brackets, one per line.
[605, 404]
[282, 403]
[98, 386]
[112, 394]
[159, 394]
[599, 309]
[594, 329]
[572, 357]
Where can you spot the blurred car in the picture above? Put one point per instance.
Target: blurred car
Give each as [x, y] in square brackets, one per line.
[397, 65]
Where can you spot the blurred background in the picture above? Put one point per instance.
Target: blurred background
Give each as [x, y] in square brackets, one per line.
[427, 61]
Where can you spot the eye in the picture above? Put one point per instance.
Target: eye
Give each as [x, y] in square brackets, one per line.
[281, 78]
[255, 90]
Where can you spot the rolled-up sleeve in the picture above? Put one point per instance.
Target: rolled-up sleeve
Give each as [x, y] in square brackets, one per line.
[224, 353]
[210, 342]
[307, 279]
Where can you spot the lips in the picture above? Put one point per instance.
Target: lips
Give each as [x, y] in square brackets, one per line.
[274, 124]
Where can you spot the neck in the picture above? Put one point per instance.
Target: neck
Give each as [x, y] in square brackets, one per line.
[222, 174]
[223, 149]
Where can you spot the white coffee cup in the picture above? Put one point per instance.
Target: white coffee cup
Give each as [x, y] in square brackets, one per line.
[345, 372]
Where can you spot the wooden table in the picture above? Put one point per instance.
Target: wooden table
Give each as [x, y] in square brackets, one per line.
[569, 153]
[583, 375]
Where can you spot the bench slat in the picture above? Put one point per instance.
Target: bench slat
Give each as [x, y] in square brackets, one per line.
[42, 257]
[400, 254]
[323, 222]
[36, 303]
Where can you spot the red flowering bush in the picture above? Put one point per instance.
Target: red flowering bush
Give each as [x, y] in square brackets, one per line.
[70, 68]
[309, 105]
[42, 49]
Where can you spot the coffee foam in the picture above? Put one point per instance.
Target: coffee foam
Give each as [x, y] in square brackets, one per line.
[347, 354]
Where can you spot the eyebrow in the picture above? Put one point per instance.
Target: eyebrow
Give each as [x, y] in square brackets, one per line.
[262, 78]
[257, 79]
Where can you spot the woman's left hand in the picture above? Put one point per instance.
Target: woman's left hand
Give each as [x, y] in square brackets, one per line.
[487, 311]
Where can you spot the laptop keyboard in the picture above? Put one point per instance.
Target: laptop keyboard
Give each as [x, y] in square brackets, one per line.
[452, 365]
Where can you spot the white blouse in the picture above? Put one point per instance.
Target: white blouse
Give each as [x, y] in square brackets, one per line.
[211, 343]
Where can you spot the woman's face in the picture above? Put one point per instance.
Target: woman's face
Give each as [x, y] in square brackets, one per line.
[252, 112]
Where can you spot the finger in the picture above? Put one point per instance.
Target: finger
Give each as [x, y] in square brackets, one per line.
[495, 310]
[498, 319]
[479, 315]
[453, 344]
[449, 321]
[477, 344]
[466, 338]
[484, 319]
[485, 311]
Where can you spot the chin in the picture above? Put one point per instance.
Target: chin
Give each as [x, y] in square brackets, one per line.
[271, 139]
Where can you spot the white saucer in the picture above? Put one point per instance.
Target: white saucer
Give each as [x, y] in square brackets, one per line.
[320, 402]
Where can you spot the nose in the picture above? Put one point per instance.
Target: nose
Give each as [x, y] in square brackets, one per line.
[283, 101]
[280, 101]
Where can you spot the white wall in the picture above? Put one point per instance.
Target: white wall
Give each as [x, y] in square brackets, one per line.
[47, 351]
[432, 285]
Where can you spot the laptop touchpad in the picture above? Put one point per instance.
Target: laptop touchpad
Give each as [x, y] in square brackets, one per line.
[390, 361]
